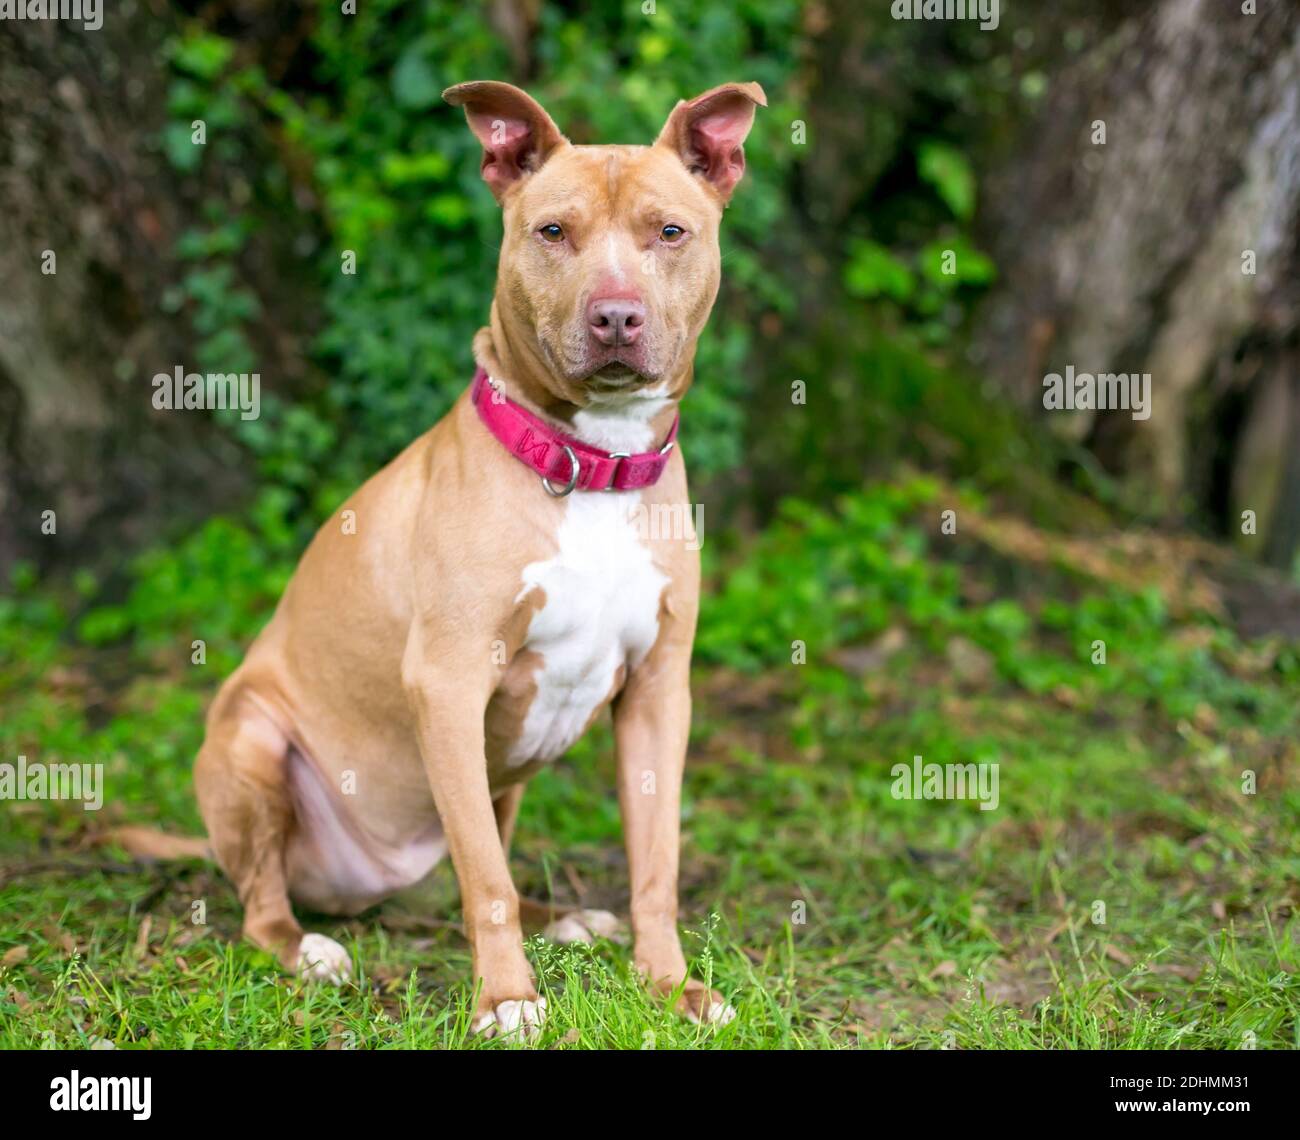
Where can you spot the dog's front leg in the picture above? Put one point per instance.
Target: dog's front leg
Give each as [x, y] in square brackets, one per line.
[448, 708]
[651, 724]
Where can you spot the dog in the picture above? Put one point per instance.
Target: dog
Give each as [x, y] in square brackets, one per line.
[477, 603]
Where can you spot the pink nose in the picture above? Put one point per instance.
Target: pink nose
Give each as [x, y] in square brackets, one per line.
[615, 321]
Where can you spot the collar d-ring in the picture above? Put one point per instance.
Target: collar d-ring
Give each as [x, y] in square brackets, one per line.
[573, 476]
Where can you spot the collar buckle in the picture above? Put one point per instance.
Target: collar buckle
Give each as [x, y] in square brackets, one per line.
[617, 457]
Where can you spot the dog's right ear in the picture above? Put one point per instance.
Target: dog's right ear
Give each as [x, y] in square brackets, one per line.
[517, 135]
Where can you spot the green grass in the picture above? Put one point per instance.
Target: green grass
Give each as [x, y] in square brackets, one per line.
[829, 912]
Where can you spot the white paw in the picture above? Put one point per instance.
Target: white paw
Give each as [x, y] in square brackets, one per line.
[321, 959]
[720, 1013]
[509, 1018]
[584, 926]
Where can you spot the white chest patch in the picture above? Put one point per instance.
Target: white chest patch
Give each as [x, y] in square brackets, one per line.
[601, 611]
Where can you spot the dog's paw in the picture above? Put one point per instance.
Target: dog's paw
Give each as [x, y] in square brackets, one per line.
[321, 959]
[703, 1006]
[516, 1019]
[585, 926]
[718, 1013]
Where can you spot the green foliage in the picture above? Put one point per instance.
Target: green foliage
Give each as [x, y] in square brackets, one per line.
[836, 578]
[946, 169]
[872, 271]
[918, 289]
[218, 583]
[827, 578]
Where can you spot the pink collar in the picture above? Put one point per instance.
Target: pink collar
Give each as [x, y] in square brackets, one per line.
[563, 462]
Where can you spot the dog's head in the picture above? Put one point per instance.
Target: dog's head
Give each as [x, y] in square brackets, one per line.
[609, 263]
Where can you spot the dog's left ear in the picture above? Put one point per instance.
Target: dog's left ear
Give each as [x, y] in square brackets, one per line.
[517, 135]
[708, 133]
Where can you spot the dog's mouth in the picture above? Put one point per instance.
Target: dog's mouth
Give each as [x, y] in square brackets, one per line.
[614, 376]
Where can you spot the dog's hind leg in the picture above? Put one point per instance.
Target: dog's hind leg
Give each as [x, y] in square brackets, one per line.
[506, 809]
[241, 777]
[555, 922]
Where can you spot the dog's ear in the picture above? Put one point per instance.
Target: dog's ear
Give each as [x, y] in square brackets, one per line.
[517, 135]
[708, 133]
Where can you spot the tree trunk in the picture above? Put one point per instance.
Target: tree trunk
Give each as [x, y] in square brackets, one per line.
[1135, 255]
[88, 218]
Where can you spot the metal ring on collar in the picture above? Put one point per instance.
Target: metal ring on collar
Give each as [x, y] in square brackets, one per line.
[573, 476]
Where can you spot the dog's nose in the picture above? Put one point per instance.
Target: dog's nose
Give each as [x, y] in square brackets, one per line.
[615, 320]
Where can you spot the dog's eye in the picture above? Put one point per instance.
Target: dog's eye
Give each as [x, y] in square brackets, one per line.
[671, 234]
[552, 232]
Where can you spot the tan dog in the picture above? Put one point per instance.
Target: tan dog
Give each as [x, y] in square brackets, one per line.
[458, 627]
